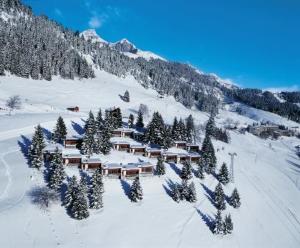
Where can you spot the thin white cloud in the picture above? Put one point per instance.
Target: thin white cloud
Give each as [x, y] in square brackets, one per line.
[280, 89]
[95, 22]
[58, 12]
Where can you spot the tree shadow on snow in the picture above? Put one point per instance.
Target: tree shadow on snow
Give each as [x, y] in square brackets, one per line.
[24, 145]
[78, 128]
[47, 133]
[170, 186]
[209, 194]
[295, 165]
[126, 187]
[208, 220]
[175, 168]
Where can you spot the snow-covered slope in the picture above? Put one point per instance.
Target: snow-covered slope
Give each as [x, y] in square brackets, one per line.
[266, 175]
[90, 34]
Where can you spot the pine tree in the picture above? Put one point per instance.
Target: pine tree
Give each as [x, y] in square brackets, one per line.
[219, 197]
[186, 172]
[223, 175]
[234, 199]
[208, 158]
[182, 135]
[167, 137]
[57, 173]
[184, 190]
[71, 190]
[118, 118]
[97, 179]
[176, 193]
[136, 192]
[192, 193]
[155, 130]
[227, 225]
[96, 197]
[88, 144]
[210, 126]
[218, 227]
[90, 124]
[99, 122]
[36, 148]
[175, 134]
[160, 166]
[131, 121]
[103, 141]
[60, 130]
[79, 208]
[126, 97]
[190, 129]
[83, 186]
[200, 171]
[140, 122]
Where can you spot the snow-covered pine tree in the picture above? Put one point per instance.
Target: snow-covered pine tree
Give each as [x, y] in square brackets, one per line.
[208, 155]
[118, 118]
[79, 208]
[36, 148]
[97, 179]
[60, 130]
[88, 143]
[176, 195]
[227, 225]
[218, 225]
[186, 171]
[72, 188]
[223, 175]
[175, 134]
[136, 192]
[57, 172]
[96, 197]
[184, 190]
[90, 124]
[234, 199]
[140, 120]
[182, 135]
[200, 170]
[210, 126]
[219, 197]
[167, 137]
[99, 122]
[160, 166]
[155, 130]
[131, 121]
[190, 129]
[83, 185]
[192, 193]
[126, 96]
[105, 145]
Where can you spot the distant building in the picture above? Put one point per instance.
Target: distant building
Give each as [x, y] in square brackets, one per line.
[73, 109]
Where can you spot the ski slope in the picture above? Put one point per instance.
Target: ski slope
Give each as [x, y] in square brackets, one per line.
[266, 175]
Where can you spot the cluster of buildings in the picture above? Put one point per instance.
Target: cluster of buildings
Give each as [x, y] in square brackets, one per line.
[267, 130]
[71, 154]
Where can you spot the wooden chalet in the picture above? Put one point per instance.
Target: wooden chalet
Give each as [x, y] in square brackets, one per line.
[121, 146]
[153, 152]
[180, 144]
[192, 147]
[146, 168]
[138, 149]
[194, 157]
[122, 132]
[73, 141]
[71, 157]
[91, 162]
[170, 157]
[182, 157]
[73, 109]
[50, 149]
[112, 170]
[130, 170]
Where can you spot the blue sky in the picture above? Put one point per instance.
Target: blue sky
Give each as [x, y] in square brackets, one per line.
[254, 43]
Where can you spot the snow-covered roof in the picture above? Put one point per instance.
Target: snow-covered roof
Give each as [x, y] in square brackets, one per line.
[137, 146]
[91, 159]
[182, 155]
[120, 142]
[152, 149]
[71, 153]
[128, 130]
[180, 142]
[74, 137]
[191, 144]
[51, 147]
[194, 155]
[169, 153]
[112, 165]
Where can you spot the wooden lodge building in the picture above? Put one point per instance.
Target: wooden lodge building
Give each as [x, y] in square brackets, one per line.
[91, 162]
[121, 146]
[71, 157]
[180, 144]
[192, 147]
[122, 132]
[138, 149]
[73, 141]
[153, 152]
[170, 157]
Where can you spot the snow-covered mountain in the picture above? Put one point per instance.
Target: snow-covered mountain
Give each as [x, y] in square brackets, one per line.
[90, 34]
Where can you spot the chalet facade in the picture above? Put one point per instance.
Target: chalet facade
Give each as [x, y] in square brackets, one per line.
[71, 157]
[194, 157]
[138, 149]
[91, 162]
[153, 152]
[121, 146]
[128, 170]
[73, 141]
[182, 157]
[122, 132]
[170, 157]
[180, 144]
[192, 147]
